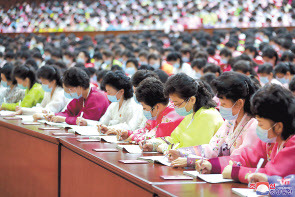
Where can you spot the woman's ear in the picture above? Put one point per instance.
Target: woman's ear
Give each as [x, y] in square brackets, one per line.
[193, 100]
[278, 128]
[240, 103]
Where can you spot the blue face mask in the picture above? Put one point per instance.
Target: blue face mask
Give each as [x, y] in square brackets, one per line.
[72, 95]
[46, 88]
[113, 98]
[176, 65]
[20, 86]
[185, 59]
[182, 111]
[4, 84]
[223, 61]
[97, 64]
[80, 60]
[227, 113]
[263, 135]
[198, 75]
[264, 80]
[283, 80]
[156, 66]
[148, 115]
[108, 62]
[47, 57]
[66, 61]
[130, 70]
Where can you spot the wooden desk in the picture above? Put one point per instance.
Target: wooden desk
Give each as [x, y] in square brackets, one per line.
[29, 162]
[199, 188]
[85, 172]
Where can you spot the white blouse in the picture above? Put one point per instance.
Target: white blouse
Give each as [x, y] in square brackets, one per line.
[186, 68]
[53, 104]
[128, 117]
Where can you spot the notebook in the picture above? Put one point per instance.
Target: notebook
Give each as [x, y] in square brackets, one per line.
[209, 178]
[244, 192]
[157, 159]
[84, 130]
[31, 123]
[135, 149]
[88, 140]
[26, 118]
[105, 150]
[56, 124]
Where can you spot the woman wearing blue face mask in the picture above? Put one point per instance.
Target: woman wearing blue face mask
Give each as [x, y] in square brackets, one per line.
[179, 66]
[89, 100]
[274, 108]
[54, 100]
[282, 73]
[123, 112]
[161, 118]
[234, 91]
[11, 94]
[131, 67]
[26, 80]
[193, 100]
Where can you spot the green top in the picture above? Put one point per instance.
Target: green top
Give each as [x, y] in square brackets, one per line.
[193, 131]
[32, 97]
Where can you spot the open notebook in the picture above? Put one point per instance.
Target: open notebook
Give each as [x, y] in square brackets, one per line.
[209, 178]
[6, 113]
[55, 124]
[110, 139]
[244, 192]
[157, 159]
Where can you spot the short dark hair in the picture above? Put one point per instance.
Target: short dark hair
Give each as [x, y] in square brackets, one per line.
[119, 80]
[242, 65]
[140, 75]
[270, 53]
[288, 56]
[186, 87]
[277, 104]
[134, 61]
[235, 86]
[213, 68]
[199, 63]
[75, 77]
[24, 72]
[266, 68]
[282, 68]
[6, 70]
[50, 73]
[151, 91]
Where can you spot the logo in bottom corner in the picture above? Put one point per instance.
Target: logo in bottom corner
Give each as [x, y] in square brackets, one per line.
[262, 188]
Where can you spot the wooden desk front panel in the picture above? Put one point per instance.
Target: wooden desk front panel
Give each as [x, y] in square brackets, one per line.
[82, 177]
[28, 165]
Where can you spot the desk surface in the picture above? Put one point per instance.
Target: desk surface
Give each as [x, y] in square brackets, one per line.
[145, 175]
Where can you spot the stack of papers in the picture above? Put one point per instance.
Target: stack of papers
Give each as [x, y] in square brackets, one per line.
[209, 178]
[110, 139]
[135, 149]
[26, 118]
[244, 192]
[157, 159]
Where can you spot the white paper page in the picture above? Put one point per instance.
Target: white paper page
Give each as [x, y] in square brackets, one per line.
[214, 178]
[26, 118]
[6, 113]
[160, 159]
[110, 138]
[55, 124]
[193, 174]
[85, 130]
[244, 192]
[131, 148]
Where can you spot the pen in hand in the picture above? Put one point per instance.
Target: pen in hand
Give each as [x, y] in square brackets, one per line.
[203, 155]
[81, 115]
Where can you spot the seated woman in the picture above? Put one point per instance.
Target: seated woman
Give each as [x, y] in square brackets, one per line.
[26, 80]
[234, 91]
[90, 103]
[194, 101]
[11, 94]
[123, 112]
[162, 118]
[274, 108]
[54, 100]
